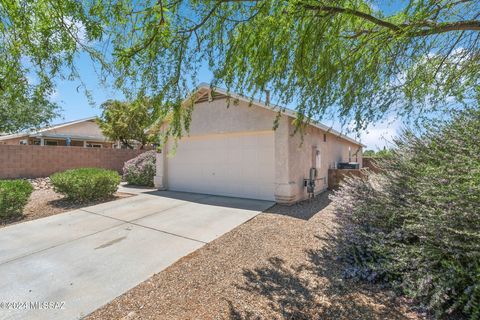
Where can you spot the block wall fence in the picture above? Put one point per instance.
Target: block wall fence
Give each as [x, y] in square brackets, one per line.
[369, 163]
[20, 161]
[336, 176]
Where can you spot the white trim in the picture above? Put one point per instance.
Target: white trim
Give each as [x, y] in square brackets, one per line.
[63, 136]
[13, 136]
[37, 132]
[65, 124]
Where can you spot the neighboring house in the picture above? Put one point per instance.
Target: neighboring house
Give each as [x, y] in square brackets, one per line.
[234, 151]
[78, 133]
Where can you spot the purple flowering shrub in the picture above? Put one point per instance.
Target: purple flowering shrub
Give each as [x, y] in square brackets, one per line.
[141, 169]
[415, 226]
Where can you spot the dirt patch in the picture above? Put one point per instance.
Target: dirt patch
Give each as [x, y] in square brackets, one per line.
[278, 265]
[45, 202]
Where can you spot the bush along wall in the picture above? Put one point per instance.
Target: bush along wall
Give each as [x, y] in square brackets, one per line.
[141, 169]
[415, 226]
[14, 196]
[86, 184]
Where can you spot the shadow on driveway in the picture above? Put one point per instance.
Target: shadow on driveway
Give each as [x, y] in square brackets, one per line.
[212, 200]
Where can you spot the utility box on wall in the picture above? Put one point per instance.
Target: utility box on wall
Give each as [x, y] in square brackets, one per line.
[348, 165]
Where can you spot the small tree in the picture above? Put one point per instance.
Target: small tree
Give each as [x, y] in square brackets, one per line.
[369, 153]
[379, 154]
[128, 121]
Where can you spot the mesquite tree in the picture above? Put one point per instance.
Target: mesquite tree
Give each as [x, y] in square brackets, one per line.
[355, 59]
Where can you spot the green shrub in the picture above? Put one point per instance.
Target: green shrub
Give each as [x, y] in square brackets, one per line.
[416, 225]
[86, 184]
[14, 196]
[141, 169]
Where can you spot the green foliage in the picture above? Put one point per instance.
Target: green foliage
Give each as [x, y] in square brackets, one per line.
[86, 184]
[379, 154]
[14, 196]
[38, 44]
[128, 122]
[368, 153]
[141, 169]
[416, 224]
[345, 58]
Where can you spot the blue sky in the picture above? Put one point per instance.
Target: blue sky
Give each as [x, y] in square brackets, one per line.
[75, 105]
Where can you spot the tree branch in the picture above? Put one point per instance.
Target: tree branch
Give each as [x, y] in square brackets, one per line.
[360, 14]
[413, 29]
[203, 21]
[466, 25]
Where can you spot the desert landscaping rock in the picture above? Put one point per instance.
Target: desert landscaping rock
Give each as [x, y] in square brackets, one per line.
[45, 202]
[276, 266]
[41, 183]
[89, 256]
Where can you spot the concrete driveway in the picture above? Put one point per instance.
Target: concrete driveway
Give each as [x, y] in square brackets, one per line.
[66, 266]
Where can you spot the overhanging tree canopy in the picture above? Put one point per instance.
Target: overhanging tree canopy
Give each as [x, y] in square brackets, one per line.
[344, 57]
[38, 43]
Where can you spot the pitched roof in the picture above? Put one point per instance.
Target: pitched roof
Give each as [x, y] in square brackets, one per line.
[34, 132]
[291, 113]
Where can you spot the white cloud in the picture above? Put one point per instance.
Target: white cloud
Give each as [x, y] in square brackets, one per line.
[380, 135]
[77, 29]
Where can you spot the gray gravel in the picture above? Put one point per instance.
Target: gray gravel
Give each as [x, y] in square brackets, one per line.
[278, 265]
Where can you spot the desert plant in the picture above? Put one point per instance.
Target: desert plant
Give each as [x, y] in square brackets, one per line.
[415, 224]
[86, 184]
[14, 196]
[141, 169]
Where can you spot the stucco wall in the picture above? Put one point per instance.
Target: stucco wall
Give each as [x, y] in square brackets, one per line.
[215, 117]
[13, 141]
[85, 128]
[293, 159]
[334, 149]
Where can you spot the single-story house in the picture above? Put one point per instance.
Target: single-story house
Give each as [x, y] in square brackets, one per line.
[233, 150]
[78, 133]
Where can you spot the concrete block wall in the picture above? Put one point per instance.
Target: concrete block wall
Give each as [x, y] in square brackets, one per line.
[369, 162]
[20, 161]
[336, 176]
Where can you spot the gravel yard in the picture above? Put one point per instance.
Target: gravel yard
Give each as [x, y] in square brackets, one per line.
[277, 265]
[45, 202]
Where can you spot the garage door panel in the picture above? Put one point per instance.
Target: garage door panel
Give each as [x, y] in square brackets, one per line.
[231, 165]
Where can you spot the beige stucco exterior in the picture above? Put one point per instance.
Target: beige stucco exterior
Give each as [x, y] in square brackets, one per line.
[293, 156]
[82, 133]
[85, 128]
[300, 159]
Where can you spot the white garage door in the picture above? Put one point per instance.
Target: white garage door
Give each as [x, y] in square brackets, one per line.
[236, 165]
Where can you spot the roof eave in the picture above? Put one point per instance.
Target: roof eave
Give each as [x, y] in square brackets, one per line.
[61, 125]
[277, 108]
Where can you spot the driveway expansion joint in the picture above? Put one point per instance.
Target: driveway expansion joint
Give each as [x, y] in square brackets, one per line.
[104, 258]
[59, 244]
[132, 222]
